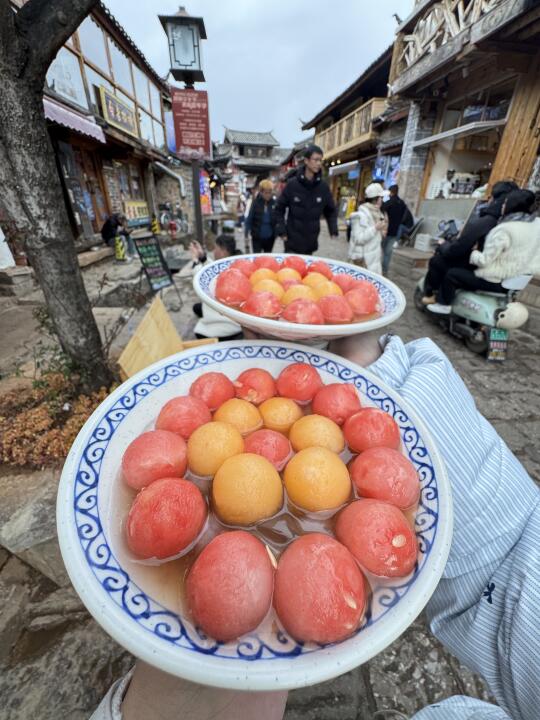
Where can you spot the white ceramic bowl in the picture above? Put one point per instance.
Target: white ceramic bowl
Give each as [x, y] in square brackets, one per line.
[138, 604]
[393, 302]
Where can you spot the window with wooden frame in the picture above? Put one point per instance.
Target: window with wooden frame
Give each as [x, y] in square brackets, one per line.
[103, 63]
[491, 103]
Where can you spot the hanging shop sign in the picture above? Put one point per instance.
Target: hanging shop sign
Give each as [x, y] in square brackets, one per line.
[191, 122]
[137, 213]
[117, 113]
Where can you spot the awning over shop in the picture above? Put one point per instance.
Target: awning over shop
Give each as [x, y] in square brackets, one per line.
[474, 128]
[343, 168]
[68, 118]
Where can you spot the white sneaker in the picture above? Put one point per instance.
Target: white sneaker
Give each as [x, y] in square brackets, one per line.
[439, 309]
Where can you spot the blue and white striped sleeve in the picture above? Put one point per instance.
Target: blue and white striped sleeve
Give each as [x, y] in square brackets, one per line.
[485, 607]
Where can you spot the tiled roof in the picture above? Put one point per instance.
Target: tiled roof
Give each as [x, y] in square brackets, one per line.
[246, 137]
[263, 163]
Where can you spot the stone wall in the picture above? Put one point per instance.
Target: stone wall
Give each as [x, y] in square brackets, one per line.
[168, 189]
[413, 160]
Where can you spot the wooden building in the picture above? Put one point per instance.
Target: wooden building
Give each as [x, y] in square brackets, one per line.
[346, 129]
[104, 106]
[471, 71]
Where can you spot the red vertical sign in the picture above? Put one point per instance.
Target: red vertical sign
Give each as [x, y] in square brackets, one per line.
[191, 123]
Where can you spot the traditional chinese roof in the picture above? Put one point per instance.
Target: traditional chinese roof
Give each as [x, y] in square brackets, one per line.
[247, 137]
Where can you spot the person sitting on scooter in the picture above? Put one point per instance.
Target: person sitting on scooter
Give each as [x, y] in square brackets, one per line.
[512, 248]
[457, 254]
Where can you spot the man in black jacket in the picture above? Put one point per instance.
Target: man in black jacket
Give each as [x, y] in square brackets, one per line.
[306, 197]
[400, 219]
[457, 254]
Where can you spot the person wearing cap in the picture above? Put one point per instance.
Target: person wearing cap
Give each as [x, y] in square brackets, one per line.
[369, 226]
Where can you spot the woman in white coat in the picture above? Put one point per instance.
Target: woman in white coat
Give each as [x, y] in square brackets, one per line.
[512, 248]
[369, 226]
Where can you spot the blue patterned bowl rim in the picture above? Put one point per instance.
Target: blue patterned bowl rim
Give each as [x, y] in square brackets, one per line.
[162, 637]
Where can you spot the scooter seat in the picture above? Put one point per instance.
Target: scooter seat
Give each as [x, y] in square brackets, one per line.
[491, 294]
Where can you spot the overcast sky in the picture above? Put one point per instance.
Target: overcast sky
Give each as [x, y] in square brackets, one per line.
[269, 65]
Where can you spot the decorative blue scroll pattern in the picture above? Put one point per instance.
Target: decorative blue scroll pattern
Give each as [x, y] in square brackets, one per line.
[388, 298]
[171, 627]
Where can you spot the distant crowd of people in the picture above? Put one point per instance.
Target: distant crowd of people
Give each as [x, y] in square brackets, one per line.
[500, 240]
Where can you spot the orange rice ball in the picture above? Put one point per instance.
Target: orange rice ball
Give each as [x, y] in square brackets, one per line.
[317, 479]
[297, 292]
[314, 278]
[280, 414]
[210, 445]
[288, 274]
[246, 489]
[271, 286]
[316, 431]
[324, 289]
[242, 414]
[261, 274]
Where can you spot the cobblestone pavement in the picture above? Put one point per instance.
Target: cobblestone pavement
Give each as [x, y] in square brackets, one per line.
[52, 631]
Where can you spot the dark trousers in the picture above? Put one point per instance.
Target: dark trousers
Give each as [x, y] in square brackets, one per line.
[437, 269]
[260, 246]
[462, 278]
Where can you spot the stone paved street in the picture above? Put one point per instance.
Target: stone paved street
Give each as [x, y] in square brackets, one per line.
[56, 663]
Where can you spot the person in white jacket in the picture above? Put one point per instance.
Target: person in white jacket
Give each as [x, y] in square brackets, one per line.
[512, 248]
[369, 226]
[212, 324]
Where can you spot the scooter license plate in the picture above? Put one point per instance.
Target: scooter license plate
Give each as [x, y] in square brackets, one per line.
[498, 343]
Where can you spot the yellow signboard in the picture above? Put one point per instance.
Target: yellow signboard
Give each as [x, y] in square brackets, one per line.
[117, 113]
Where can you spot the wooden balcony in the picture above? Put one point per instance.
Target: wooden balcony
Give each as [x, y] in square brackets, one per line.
[352, 131]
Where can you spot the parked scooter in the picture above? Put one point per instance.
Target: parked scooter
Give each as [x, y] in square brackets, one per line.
[483, 319]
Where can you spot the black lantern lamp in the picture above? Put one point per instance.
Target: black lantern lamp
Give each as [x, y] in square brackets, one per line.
[184, 34]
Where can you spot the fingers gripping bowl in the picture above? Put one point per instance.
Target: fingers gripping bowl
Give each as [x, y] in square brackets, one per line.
[140, 604]
[390, 306]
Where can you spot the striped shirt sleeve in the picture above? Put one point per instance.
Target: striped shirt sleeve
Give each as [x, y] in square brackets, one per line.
[485, 605]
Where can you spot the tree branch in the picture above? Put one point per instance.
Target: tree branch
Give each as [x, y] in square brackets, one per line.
[45, 26]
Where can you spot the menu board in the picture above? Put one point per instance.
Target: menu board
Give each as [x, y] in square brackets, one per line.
[154, 264]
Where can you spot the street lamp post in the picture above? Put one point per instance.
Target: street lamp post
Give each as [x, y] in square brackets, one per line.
[184, 34]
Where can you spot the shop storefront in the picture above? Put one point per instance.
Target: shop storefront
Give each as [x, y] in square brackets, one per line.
[466, 141]
[474, 92]
[105, 165]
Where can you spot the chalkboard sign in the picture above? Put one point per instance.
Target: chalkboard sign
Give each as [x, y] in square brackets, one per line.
[154, 264]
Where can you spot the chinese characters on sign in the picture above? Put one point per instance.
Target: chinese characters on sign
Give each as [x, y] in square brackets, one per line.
[191, 125]
[118, 114]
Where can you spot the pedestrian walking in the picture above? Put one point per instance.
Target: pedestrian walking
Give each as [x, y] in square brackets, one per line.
[299, 207]
[369, 226]
[261, 221]
[400, 220]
